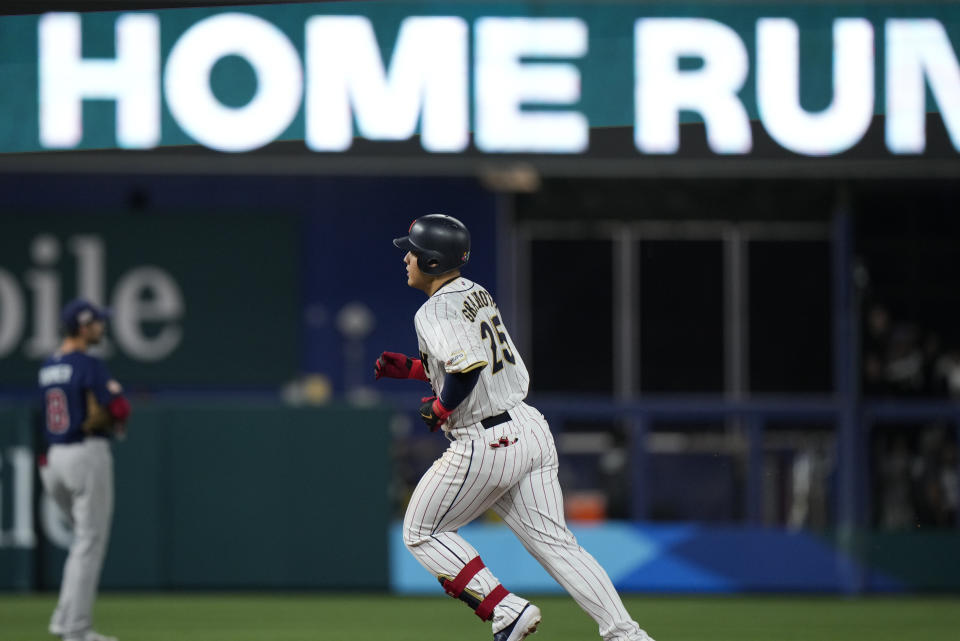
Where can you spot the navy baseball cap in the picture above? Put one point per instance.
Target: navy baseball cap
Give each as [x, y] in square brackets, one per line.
[81, 312]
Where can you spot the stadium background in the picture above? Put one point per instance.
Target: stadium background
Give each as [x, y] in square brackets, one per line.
[750, 362]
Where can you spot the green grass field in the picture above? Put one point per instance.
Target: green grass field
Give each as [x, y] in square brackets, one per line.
[312, 617]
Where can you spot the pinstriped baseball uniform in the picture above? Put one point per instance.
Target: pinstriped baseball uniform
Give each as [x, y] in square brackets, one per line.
[510, 467]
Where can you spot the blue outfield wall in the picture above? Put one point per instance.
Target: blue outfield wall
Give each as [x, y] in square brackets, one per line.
[681, 558]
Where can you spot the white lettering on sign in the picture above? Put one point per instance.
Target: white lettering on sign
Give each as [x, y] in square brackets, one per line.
[13, 313]
[527, 84]
[663, 90]
[505, 85]
[44, 284]
[132, 79]
[20, 517]
[147, 302]
[839, 126]
[197, 110]
[426, 82]
[919, 54]
[147, 294]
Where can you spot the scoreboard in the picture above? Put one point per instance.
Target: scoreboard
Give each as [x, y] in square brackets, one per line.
[435, 83]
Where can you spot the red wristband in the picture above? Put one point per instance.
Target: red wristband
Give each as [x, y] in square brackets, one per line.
[440, 411]
[119, 408]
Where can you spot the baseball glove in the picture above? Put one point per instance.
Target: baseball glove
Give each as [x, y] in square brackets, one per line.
[105, 421]
[98, 419]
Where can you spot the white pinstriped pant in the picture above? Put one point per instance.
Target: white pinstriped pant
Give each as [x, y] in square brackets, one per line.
[520, 484]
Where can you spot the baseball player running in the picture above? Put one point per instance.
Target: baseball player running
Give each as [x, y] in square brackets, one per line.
[501, 454]
[83, 406]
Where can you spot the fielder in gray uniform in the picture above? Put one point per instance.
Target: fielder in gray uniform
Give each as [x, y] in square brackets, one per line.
[83, 408]
[501, 454]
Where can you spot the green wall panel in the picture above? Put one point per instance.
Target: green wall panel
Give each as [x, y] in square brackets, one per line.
[248, 496]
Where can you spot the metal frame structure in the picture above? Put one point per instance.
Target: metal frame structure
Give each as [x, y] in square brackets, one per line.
[735, 238]
[852, 416]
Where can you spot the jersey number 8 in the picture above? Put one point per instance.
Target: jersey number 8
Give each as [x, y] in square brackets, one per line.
[58, 416]
[496, 337]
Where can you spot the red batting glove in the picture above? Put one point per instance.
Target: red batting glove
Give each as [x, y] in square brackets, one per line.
[417, 371]
[395, 365]
[433, 413]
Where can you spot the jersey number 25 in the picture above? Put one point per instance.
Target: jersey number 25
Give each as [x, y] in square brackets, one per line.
[497, 339]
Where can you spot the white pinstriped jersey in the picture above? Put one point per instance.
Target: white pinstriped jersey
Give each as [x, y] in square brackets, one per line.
[459, 329]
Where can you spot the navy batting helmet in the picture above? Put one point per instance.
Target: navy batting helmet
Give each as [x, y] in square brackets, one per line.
[440, 242]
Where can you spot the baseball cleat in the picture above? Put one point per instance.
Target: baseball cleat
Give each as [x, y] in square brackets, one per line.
[523, 626]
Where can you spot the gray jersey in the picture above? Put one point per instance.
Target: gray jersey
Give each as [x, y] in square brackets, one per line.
[459, 329]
